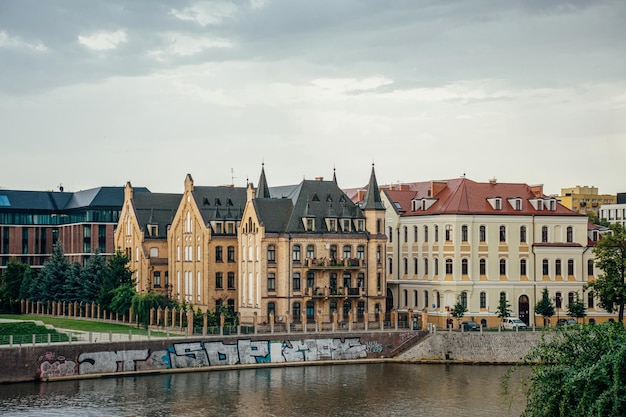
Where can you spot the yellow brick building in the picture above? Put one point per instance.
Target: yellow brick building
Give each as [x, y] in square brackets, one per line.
[585, 199]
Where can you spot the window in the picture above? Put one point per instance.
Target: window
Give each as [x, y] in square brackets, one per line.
[558, 298]
[296, 281]
[436, 233]
[310, 251]
[231, 280]
[406, 234]
[483, 299]
[333, 251]
[570, 267]
[271, 253]
[359, 225]
[415, 298]
[557, 267]
[503, 266]
[310, 224]
[86, 239]
[415, 234]
[379, 281]
[464, 233]
[436, 266]
[522, 267]
[218, 254]
[502, 295]
[426, 266]
[482, 234]
[522, 234]
[346, 225]
[590, 267]
[464, 266]
[271, 310]
[482, 266]
[347, 251]
[218, 281]
[464, 299]
[570, 298]
[378, 250]
[590, 299]
[448, 266]
[426, 298]
[360, 280]
[231, 254]
[406, 265]
[333, 282]
[545, 267]
[405, 294]
[295, 255]
[390, 234]
[310, 279]
[448, 232]
[570, 234]
[360, 252]
[157, 279]
[271, 281]
[502, 233]
[425, 233]
[415, 262]
[310, 311]
[390, 267]
[296, 312]
[544, 234]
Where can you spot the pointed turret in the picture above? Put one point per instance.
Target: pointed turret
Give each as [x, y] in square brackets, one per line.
[334, 176]
[372, 198]
[262, 190]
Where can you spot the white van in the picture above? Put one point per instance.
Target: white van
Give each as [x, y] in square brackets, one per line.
[512, 323]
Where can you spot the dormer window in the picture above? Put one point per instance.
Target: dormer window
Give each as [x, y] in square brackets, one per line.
[495, 202]
[153, 230]
[360, 226]
[552, 205]
[537, 203]
[516, 203]
[346, 225]
[218, 227]
[331, 224]
[309, 224]
[230, 228]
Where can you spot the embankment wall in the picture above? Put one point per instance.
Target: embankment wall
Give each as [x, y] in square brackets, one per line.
[85, 360]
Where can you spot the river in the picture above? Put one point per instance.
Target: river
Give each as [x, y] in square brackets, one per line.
[339, 390]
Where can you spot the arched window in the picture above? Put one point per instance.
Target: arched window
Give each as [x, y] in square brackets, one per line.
[425, 266]
[296, 312]
[406, 234]
[406, 265]
[464, 233]
[570, 267]
[390, 269]
[482, 233]
[590, 299]
[448, 232]
[522, 267]
[483, 299]
[502, 266]
[425, 233]
[464, 299]
[415, 262]
[296, 253]
[464, 266]
[405, 293]
[436, 266]
[390, 234]
[522, 234]
[590, 267]
[448, 266]
[502, 233]
[310, 311]
[558, 298]
[557, 267]
[436, 233]
[271, 309]
[360, 252]
[544, 234]
[482, 266]
[570, 234]
[415, 234]
[545, 267]
[415, 298]
[426, 298]
[347, 251]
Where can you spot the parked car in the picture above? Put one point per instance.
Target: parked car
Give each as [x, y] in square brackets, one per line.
[470, 326]
[566, 322]
[512, 323]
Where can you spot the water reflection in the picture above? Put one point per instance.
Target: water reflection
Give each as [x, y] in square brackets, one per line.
[341, 390]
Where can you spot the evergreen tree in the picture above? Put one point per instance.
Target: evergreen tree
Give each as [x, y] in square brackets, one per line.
[458, 311]
[53, 275]
[115, 275]
[544, 307]
[11, 283]
[73, 284]
[91, 277]
[27, 284]
[610, 286]
[577, 308]
[504, 309]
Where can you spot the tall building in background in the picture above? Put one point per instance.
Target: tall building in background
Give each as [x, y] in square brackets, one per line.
[584, 199]
[309, 253]
[31, 222]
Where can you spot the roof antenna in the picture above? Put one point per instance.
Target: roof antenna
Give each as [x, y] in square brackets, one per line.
[61, 187]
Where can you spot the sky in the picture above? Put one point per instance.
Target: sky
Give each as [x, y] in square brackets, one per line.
[147, 91]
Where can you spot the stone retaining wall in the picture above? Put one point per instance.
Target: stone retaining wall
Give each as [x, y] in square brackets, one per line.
[486, 347]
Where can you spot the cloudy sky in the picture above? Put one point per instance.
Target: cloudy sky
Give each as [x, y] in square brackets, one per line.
[100, 93]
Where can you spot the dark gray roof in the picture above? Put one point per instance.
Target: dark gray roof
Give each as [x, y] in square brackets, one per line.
[312, 199]
[220, 202]
[56, 201]
[156, 209]
[372, 198]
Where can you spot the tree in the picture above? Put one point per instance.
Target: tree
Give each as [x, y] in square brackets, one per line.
[544, 307]
[504, 309]
[115, 275]
[577, 371]
[91, 277]
[458, 311]
[143, 303]
[11, 283]
[122, 298]
[610, 286]
[577, 308]
[73, 284]
[53, 275]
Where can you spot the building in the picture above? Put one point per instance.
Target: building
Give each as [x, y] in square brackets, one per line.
[474, 243]
[308, 253]
[142, 236]
[202, 245]
[584, 199]
[31, 222]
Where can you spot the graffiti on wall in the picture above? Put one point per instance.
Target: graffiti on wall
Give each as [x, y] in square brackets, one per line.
[203, 354]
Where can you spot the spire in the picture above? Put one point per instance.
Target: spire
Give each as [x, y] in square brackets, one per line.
[262, 190]
[334, 176]
[372, 198]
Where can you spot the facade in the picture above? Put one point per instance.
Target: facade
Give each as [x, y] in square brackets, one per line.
[584, 199]
[613, 213]
[308, 253]
[460, 240]
[31, 222]
[202, 245]
[142, 236]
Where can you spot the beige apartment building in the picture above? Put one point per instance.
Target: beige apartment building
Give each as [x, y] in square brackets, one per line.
[585, 199]
[309, 254]
[460, 240]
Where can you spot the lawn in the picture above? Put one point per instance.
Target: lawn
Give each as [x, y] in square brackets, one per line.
[82, 325]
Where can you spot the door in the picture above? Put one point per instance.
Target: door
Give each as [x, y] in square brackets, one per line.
[524, 309]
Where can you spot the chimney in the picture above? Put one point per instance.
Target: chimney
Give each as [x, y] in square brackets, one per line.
[319, 178]
[493, 181]
[537, 190]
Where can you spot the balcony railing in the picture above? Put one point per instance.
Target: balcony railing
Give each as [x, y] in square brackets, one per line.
[334, 263]
[340, 292]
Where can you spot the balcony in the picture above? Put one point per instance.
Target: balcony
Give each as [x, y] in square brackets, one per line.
[334, 263]
[341, 292]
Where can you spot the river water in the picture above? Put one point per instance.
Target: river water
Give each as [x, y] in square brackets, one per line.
[339, 390]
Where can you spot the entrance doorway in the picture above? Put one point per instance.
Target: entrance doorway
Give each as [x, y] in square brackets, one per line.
[524, 309]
